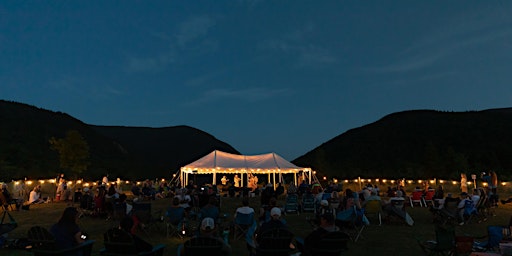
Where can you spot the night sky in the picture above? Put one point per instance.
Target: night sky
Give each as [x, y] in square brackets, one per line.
[262, 76]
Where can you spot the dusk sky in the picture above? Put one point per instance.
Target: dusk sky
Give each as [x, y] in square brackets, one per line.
[262, 76]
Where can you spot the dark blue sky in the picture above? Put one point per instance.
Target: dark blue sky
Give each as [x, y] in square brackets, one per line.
[263, 76]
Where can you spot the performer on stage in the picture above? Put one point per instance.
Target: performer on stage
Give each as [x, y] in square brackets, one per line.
[224, 180]
[237, 181]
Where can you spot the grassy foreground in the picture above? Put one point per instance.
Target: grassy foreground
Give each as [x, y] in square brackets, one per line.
[388, 239]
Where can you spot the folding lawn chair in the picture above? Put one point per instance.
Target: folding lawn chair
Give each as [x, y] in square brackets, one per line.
[308, 203]
[242, 224]
[374, 208]
[292, 204]
[353, 221]
[444, 243]
[416, 198]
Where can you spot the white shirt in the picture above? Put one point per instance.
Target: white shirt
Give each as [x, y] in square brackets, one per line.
[34, 196]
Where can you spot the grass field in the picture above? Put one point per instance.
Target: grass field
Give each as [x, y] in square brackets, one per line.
[388, 239]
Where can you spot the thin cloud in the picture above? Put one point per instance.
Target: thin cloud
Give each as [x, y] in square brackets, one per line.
[461, 34]
[194, 28]
[189, 34]
[297, 45]
[249, 94]
[84, 88]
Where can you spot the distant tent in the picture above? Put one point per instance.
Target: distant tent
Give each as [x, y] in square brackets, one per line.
[222, 162]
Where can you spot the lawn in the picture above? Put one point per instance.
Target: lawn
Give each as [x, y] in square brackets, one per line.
[388, 239]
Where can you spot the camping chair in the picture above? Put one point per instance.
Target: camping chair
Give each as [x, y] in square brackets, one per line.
[353, 220]
[242, 224]
[470, 210]
[374, 208]
[43, 244]
[495, 234]
[429, 197]
[6, 205]
[119, 242]
[292, 204]
[448, 214]
[143, 212]
[444, 243]
[331, 244]
[201, 246]
[308, 203]
[6, 227]
[275, 242]
[416, 198]
[175, 222]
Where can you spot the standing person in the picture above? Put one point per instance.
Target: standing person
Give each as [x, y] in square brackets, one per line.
[224, 180]
[493, 185]
[237, 181]
[66, 231]
[463, 183]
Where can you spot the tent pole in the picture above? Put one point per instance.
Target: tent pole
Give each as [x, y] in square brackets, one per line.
[295, 178]
[274, 180]
[241, 180]
[214, 177]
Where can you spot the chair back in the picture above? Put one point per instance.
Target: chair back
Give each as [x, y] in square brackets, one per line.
[119, 242]
[209, 212]
[416, 195]
[142, 211]
[430, 194]
[331, 244]
[203, 246]
[244, 219]
[445, 238]
[41, 238]
[274, 242]
[373, 207]
[175, 214]
[308, 202]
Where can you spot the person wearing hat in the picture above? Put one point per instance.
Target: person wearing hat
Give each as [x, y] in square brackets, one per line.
[274, 222]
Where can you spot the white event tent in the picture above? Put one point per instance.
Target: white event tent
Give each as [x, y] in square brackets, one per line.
[226, 163]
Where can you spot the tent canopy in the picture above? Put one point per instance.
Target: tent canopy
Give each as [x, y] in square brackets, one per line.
[222, 162]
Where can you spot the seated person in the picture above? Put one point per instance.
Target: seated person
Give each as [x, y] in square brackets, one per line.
[127, 225]
[325, 208]
[461, 207]
[265, 210]
[136, 190]
[373, 196]
[66, 231]
[176, 213]
[210, 209]
[35, 196]
[208, 229]
[9, 199]
[327, 225]
[86, 200]
[275, 222]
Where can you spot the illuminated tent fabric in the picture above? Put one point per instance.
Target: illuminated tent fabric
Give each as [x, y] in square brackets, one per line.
[222, 162]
